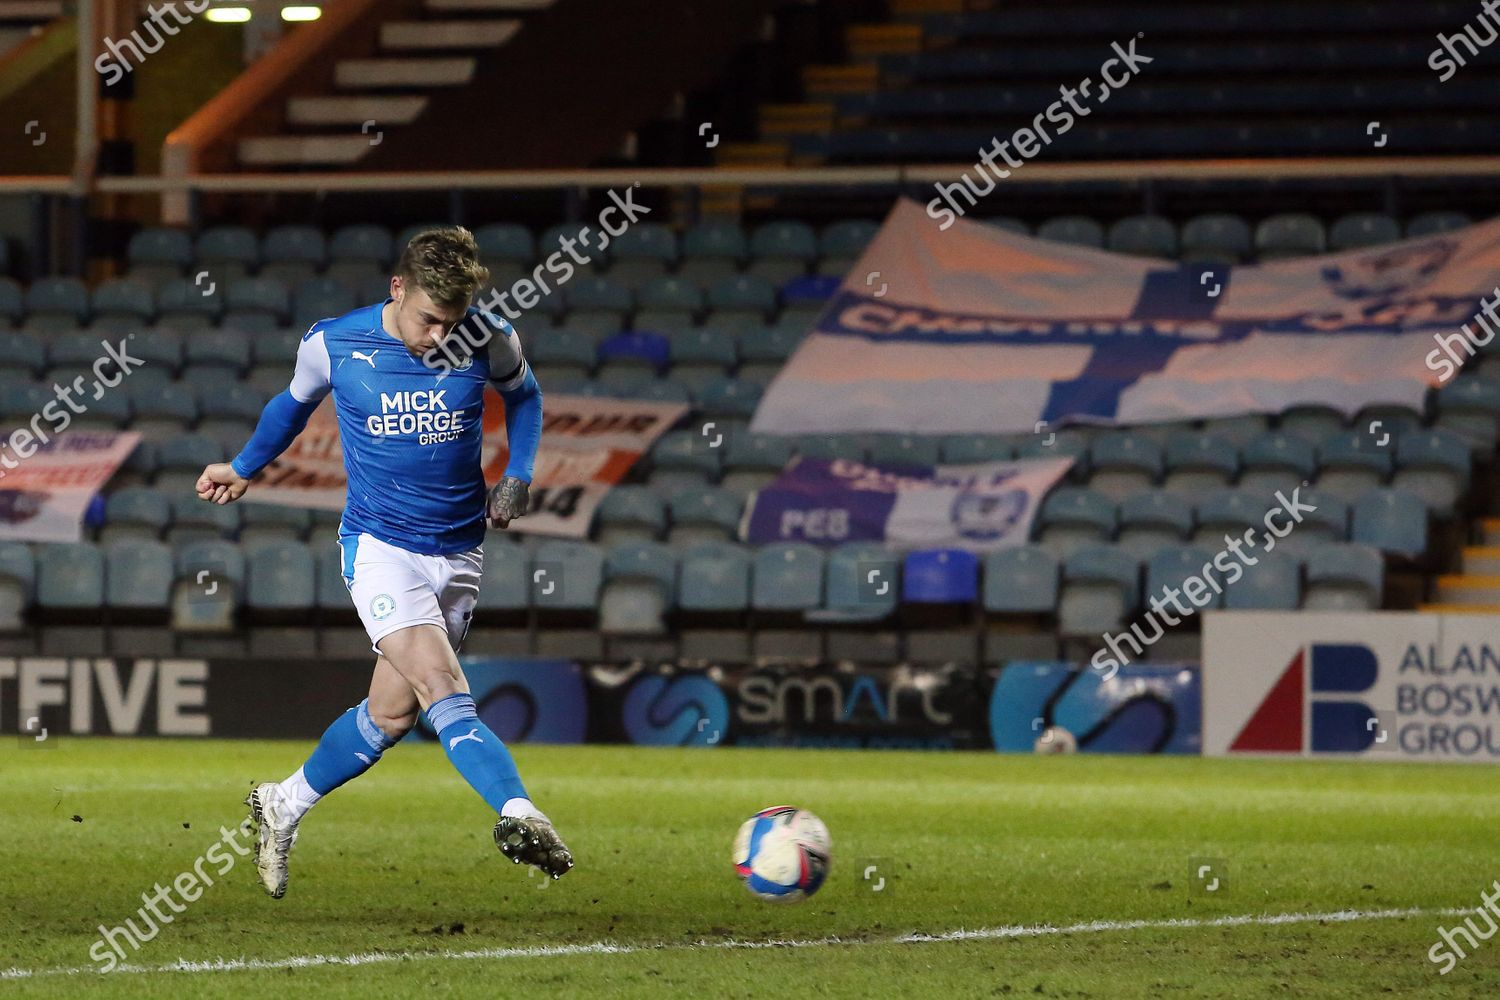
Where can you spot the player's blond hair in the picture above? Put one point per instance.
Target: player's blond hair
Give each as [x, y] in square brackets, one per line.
[444, 263]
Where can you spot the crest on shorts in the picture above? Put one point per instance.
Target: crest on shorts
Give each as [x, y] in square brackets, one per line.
[382, 606]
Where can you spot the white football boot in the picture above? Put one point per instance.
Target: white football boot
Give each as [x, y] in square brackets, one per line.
[276, 834]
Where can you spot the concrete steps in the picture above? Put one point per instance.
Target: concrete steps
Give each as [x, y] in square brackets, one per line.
[390, 89]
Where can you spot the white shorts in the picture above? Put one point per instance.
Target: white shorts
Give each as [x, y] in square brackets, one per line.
[395, 589]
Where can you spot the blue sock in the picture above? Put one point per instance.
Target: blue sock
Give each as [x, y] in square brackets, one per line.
[475, 751]
[349, 748]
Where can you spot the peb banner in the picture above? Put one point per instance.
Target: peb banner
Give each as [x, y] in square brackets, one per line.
[1380, 686]
[977, 330]
[983, 506]
[588, 444]
[43, 498]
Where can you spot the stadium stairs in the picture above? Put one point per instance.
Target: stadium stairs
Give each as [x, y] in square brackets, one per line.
[572, 79]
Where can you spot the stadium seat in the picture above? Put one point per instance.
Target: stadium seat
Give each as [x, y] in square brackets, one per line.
[630, 513]
[1469, 407]
[197, 520]
[1073, 518]
[636, 350]
[640, 580]
[1173, 565]
[1238, 430]
[138, 576]
[1344, 577]
[766, 349]
[1228, 512]
[714, 578]
[753, 461]
[1021, 580]
[566, 576]
[595, 293]
[160, 245]
[730, 397]
[1392, 521]
[1351, 464]
[1153, 520]
[968, 449]
[1216, 238]
[1328, 522]
[12, 300]
[704, 514]
[646, 241]
[183, 305]
[17, 584]
[669, 294]
[743, 292]
[364, 243]
[218, 349]
[281, 579]
[788, 577]
[562, 354]
[684, 458]
[1079, 230]
[1199, 462]
[69, 579]
[265, 523]
[847, 238]
[1289, 234]
[789, 240]
[232, 251]
[122, 298]
[903, 450]
[1362, 229]
[65, 300]
[505, 594]
[702, 355]
[261, 296]
[1144, 236]
[209, 585]
[135, 514]
[181, 459]
[1272, 583]
[850, 446]
[292, 253]
[1434, 223]
[161, 410]
[1434, 465]
[77, 351]
[21, 354]
[1311, 422]
[320, 298]
[862, 584]
[781, 273]
[1123, 463]
[506, 241]
[21, 400]
[1100, 589]
[940, 576]
[1276, 461]
[715, 239]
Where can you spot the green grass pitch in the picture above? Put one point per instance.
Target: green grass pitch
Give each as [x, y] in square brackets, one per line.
[1068, 869]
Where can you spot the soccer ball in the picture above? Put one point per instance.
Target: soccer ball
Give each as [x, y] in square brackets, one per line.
[1055, 739]
[782, 854]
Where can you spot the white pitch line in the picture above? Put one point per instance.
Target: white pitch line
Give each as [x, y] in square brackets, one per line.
[609, 948]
